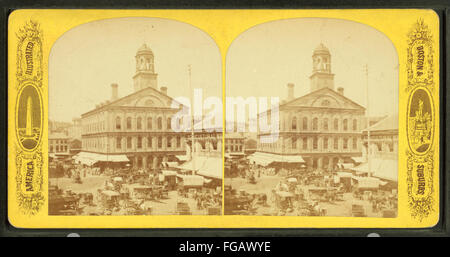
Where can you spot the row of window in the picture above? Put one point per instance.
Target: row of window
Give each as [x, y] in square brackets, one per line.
[95, 127]
[60, 141]
[149, 142]
[139, 123]
[233, 148]
[58, 148]
[325, 124]
[327, 143]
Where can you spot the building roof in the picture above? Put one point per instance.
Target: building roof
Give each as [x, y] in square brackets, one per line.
[234, 135]
[321, 49]
[130, 96]
[57, 135]
[144, 49]
[321, 91]
[388, 123]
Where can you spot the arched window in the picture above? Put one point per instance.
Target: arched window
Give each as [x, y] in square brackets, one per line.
[345, 145]
[159, 141]
[294, 123]
[128, 142]
[139, 142]
[355, 125]
[315, 143]
[336, 143]
[169, 123]
[391, 147]
[149, 142]
[178, 141]
[315, 123]
[149, 123]
[305, 143]
[129, 123]
[336, 124]
[159, 123]
[139, 123]
[325, 124]
[345, 124]
[169, 142]
[305, 123]
[119, 143]
[118, 123]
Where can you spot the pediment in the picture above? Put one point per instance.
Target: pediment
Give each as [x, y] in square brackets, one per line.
[147, 97]
[325, 98]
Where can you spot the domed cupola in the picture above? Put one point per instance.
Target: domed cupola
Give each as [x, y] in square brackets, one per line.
[145, 69]
[321, 73]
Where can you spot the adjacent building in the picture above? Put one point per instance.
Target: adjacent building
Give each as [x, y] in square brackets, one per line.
[58, 144]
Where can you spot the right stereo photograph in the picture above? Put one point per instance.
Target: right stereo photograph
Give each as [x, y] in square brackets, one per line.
[312, 120]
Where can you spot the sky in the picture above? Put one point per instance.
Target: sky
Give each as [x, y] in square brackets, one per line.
[87, 59]
[262, 60]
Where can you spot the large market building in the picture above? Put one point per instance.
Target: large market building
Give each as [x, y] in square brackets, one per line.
[322, 127]
[136, 127]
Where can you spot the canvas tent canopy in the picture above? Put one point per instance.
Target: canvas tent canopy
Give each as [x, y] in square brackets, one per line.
[265, 159]
[345, 165]
[208, 166]
[358, 159]
[91, 158]
[380, 168]
[182, 157]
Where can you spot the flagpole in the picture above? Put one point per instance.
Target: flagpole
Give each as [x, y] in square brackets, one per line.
[369, 170]
[192, 120]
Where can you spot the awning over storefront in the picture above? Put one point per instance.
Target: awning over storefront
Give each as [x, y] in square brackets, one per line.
[381, 168]
[208, 166]
[265, 159]
[345, 165]
[170, 164]
[358, 159]
[182, 157]
[91, 158]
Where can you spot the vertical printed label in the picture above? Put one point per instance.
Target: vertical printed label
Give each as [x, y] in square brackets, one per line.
[29, 119]
[420, 123]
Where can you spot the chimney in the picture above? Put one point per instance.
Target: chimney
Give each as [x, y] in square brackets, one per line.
[340, 90]
[163, 90]
[290, 87]
[114, 92]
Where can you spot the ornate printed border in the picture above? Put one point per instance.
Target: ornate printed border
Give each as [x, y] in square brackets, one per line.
[420, 163]
[29, 158]
[420, 35]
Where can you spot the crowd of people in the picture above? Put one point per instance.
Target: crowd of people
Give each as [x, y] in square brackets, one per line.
[303, 192]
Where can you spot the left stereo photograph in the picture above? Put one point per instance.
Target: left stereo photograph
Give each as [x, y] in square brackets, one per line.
[122, 139]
